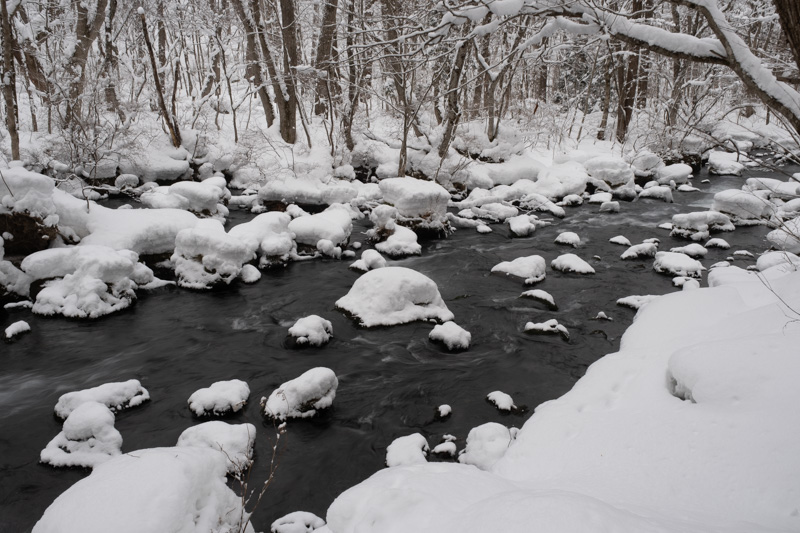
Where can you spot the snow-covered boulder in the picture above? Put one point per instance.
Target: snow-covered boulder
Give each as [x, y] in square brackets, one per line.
[312, 329]
[307, 191]
[485, 445]
[220, 398]
[724, 163]
[696, 226]
[370, 260]
[541, 296]
[659, 192]
[17, 328]
[569, 238]
[718, 243]
[394, 295]
[203, 198]
[571, 263]
[612, 170]
[787, 236]
[206, 256]
[621, 240]
[298, 521]
[522, 225]
[234, 440]
[692, 250]
[418, 202]
[539, 202]
[742, 206]
[115, 396]
[267, 236]
[637, 251]
[677, 264]
[532, 268]
[87, 439]
[408, 450]
[678, 173]
[303, 396]
[501, 400]
[548, 327]
[451, 335]
[334, 224]
[158, 490]
[494, 211]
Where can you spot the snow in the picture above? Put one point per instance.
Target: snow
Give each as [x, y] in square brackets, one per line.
[609, 207]
[621, 240]
[334, 224]
[787, 236]
[425, 201]
[401, 242]
[206, 256]
[501, 400]
[547, 327]
[542, 296]
[451, 335]
[298, 521]
[600, 198]
[538, 202]
[303, 396]
[717, 243]
[266, 236]
[312, 329]
[485, 445]
[445, 448]
[307, 190]
[249, 274]
[408, 450]
[678, 173]
[637, 251]
[659, 192]
[724, 163]
[696, 226]
[204, 198]
[234, 440]
[394, 295]
[677, 264]
[571, 263]
[692, 250]
[17, 328]
[115, 396]
[742, 205]
[495, 211]
[522, 225]
[158, 490]
[532, 268]
[785, 260]
[27, 192]
[612, 170]
[87, 439]
[636, 301]
[220, 398]
[444, 410]
[370, 260]
[569, 238]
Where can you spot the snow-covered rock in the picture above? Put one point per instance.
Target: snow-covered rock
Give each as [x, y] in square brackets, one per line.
[303, 396]
[522, 225]
[696, 226]
[115, 396]
[621, 240]
[717, 243]
[234, 440]
[787, 236]
[394, 295]
[204, 198]
[220, 398]
[451, 335]
[609, 207]
[408, 450]
[206, 256]
[637, 251]
[87, 439]
[334, 224]
[547, 327]
[612, 170]
[532, 268]
[692, 250]
[568, 237]
[742, 206]
[724, 163]
[659, 192]
[370, 260]
[424, 203]
[541, 296]
[501, 400]
[485, 445]
[636, 301]
[312, 329]
[402, 242]
[678, 173]
[677, 264]
[17, 328]
[267, 236]
[298, 521]
[571, 263]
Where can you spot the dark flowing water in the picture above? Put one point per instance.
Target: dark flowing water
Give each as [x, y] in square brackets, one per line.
[391, 380]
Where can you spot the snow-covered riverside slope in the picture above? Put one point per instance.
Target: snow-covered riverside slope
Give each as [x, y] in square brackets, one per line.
[391, 380]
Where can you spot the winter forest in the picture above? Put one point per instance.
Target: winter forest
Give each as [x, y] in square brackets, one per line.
[399, 266]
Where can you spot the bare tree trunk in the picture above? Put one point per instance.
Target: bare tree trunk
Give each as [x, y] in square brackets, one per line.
[322, 62]
[789, 14]
[253, 69]
[290, 55]
[601, 131]
[453, 88]
[9, 81]
[174, 131]
[86, 32]
[110, 62]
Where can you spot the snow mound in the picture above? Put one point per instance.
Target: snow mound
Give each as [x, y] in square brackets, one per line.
[645, 249]
[234, 440]
[637, 301]
[159, 490]
[206, 256]
[418, 202]
[725, 164]
[87, 439]
[532, 268]
[202, 198]
[621, 240]
[303, 396]
[115, 396]
[547, 327]
[485, 445]
[696, 226]
[402, 242]
[312, 329]
[678, 173]
[501, 400]
[692, 250]
[571, 263]
[717, 243]
[611, 170]
[408, 450]
[17, 328]
[298, 521]
[267, 236]
[334, 224]
[522, 225]
[742, 206]
[568, 237]
[787, 236]
[451, 335]
[220, 398]
[609, 207]
[600, 198]
[494, 211]
[677, 264]
[307, 191]
[538, 202]
[370, 260]
[778, 259]
[394, 295]
[659, 192]
[541, 296]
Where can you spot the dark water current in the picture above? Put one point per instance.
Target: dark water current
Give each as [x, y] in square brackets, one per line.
[391, 380]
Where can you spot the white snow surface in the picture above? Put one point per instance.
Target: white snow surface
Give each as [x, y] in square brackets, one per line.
[542, 296]
[234, 440]
[787, 236]
[692, 250]
[303, 396]
[696, 226]
[679, 173]
[394, 295]
[87, 439]
[501, 400]
[402, 241]
[636, 301]
[219, 398]
[451, 335]
[612, 170]
[571, 263]
[686, 428]
[115, 396]
[267, 236]
[742, 205]
[408, 450]
[334, 224]
[621, 240]
[158, 490]
[312, 329]
[677, 264]
[725, 163]
[203, 197]
[659, 192]
[532, 268]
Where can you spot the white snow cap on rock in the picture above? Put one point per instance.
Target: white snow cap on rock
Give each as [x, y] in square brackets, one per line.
[645, 249]
[568, 237]
[266, 236]
[451, 335]
[205, 255]
[199, 197]
[334, 224]
[87, 439]
[571, 263]
[485, 445]
[637, 301]
[234, 440]
[547, 327]
[220, 398]
[621, 240]
[408, 450]
[370, 260]
[542, 296]
[696, 226]
[298, 521]
[312, 329]
[659, 192]
[115, 396]
[612, 170]
[417, 199]
[501, 400]
[717, 243]
[17, 328]
[725, 163]
[394, 295]
[692, 250]
[158, 490]
[677, 264]
[678, 173]
[742, 205]
[303, 396]
[787, 236]
[402, 241]
[522, 225]
[532, 268]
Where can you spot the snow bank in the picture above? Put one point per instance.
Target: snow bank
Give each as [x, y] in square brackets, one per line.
[312, 329]
[297, 522]
[408, 450]
[532, 268]
[205, 256]
[451, 335]
[234, 440]
[221, 398]
[87, 439]
[394, 295]
[303, 396]
[22, 191]
[159, 490]
[115, 396]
